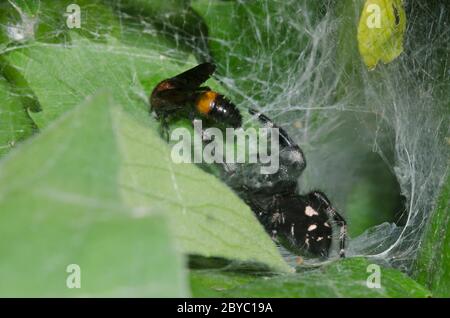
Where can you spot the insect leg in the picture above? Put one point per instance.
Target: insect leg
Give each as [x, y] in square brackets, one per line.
[164, 128]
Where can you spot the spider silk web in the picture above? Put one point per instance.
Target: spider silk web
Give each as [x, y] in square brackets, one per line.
[297, 61]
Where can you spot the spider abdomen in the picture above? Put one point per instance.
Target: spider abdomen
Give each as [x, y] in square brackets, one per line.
[302, 224]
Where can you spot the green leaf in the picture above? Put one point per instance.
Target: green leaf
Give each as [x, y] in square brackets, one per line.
[345, 278]
[433, 265]
[27, 21]
[206, 216]
[60, 205]
[15, 124]
[381, 30]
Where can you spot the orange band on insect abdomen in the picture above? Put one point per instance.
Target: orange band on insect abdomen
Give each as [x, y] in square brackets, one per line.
[205, 102]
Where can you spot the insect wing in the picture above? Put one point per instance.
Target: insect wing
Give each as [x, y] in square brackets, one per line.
[194, 77]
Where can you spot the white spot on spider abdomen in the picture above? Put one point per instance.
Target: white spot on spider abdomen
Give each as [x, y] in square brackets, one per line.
[309, 211]
[312, 227]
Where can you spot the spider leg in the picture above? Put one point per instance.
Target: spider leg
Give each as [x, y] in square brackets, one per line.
[340, 221]
[278, 188]
[336, 217]
[285, 140]
[296, 158]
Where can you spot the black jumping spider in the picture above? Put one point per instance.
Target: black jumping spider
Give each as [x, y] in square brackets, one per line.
[297, 222]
